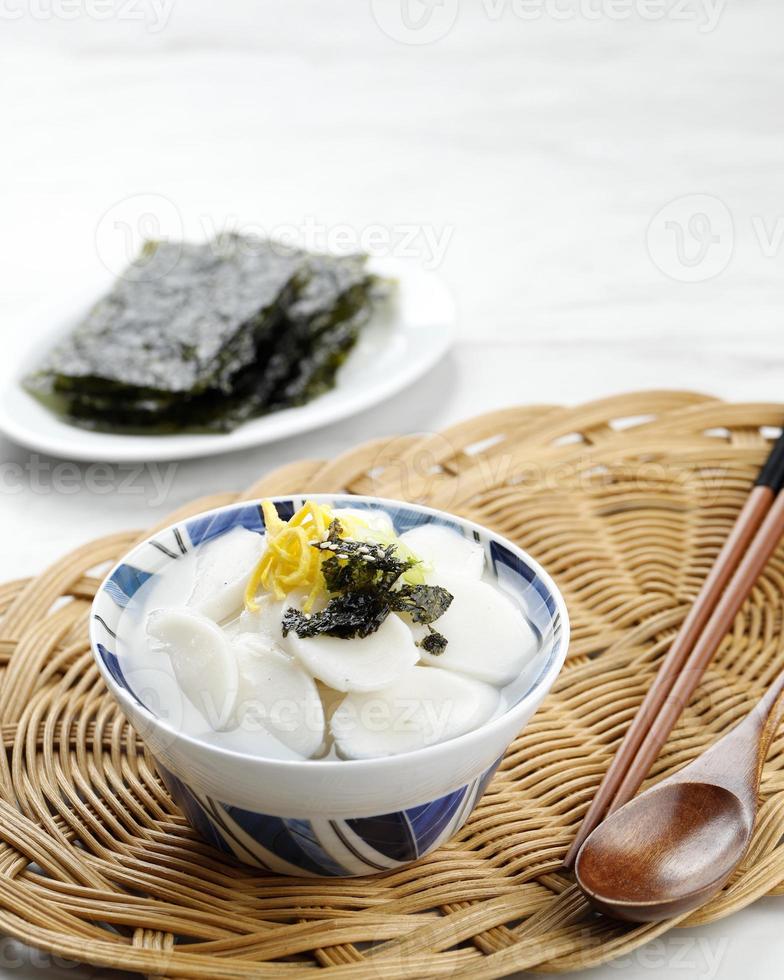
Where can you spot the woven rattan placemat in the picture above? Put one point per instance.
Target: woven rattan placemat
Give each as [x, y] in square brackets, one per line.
[626, 501]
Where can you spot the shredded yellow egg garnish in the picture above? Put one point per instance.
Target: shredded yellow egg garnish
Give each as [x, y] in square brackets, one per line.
[290, 561]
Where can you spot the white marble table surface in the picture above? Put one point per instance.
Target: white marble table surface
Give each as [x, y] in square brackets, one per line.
[597, 180]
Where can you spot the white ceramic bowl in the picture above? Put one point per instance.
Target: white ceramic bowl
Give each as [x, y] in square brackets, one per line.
[328, 818]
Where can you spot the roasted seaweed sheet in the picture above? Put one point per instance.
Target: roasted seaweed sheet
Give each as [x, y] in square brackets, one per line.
[204, 337]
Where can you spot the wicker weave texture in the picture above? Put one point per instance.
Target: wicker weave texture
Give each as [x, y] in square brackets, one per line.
[626, 501]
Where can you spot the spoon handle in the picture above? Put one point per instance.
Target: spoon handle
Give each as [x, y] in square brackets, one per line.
[736, 760]
[768, 714]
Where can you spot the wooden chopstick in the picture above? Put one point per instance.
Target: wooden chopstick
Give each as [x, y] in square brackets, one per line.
[751, 542]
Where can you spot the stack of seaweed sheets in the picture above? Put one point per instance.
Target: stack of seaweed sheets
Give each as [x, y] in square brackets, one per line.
[204, 337]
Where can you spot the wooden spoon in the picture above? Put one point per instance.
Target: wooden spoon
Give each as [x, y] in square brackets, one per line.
[671, 848]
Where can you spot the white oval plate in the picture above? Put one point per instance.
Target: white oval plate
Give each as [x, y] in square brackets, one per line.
[388, 357]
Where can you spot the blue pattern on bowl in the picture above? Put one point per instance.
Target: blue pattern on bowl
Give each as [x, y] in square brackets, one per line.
[202, 529]
[320, 846]
[125, 581]
[324, 847]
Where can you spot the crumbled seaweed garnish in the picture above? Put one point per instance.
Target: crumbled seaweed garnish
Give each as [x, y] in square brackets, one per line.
[361, 576]
[358, 565]
[423, 603]
[434, 643]
[348, 615]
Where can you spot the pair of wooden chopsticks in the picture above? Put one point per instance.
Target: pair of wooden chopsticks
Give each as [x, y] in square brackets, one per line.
[752, 541]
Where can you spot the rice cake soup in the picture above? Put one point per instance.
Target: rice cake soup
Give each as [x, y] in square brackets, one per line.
[327, 636]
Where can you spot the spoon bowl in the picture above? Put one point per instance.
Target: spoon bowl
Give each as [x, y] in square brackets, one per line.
[665, 852]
